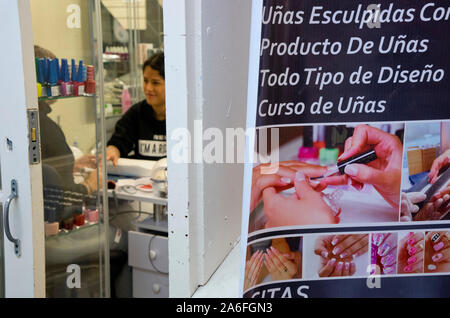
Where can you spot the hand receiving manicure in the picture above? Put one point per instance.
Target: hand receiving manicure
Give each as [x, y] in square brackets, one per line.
[278, 265]
[437, 252]
[253, 268]
[411, 253]
[384, 252]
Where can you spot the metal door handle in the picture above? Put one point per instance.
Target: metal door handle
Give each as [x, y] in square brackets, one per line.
[12, 196]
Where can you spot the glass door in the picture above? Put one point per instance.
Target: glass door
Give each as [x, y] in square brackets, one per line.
[68, 50]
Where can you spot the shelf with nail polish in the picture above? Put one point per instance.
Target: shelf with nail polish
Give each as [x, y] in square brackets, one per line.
[55, 81]
[66, 212]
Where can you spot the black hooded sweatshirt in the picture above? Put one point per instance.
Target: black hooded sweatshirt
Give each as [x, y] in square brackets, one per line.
[140, 131]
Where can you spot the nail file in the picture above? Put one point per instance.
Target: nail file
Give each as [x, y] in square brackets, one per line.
[433, 189]
[361, 158]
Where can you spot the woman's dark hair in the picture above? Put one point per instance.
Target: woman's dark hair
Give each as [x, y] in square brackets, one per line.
[156, 62]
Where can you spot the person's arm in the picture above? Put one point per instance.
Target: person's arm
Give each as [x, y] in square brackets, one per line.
[125, 134]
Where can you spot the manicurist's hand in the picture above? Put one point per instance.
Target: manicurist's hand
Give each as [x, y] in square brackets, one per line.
[383, 173]
[113, 154]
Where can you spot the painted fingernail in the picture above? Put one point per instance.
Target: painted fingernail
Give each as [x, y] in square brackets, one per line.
[334, 241]
[339, 265]
[410, 234]
[324, 254]
[407, 268]
[351, 170]
[378, 239]
[438, 246]
[412, 251]
[388, 260]
[437, 257]
[412, 260]
[388, 269]
[332, 261]
[286, 180]
[343, 255]
[411, 241]
[299, 176]
[347, 266]
[384, 249]
[336, 250]
[431, 267]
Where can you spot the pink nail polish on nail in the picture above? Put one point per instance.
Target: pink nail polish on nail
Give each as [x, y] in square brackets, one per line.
[347, 266]
[437, 257]
[387, 260]
[378, 239]
[412, 251]
[324, 254]
[408, 268]
[438, 246]
[334, 241]
[412, 260]
[388, 269]
[332, 261]
[340, 265]
[411, 241]
[384, 249]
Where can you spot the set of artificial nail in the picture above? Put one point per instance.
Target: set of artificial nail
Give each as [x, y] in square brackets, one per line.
[336, 250]
[385, 251]
[412, 251]
[437, 247]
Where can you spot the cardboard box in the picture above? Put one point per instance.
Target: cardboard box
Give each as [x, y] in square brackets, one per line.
[414, 160]
[428, 157]
[421, 159]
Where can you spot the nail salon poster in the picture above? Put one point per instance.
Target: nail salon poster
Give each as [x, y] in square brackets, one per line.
[349, 195]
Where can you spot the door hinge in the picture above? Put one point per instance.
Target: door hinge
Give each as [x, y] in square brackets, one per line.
[33, 137]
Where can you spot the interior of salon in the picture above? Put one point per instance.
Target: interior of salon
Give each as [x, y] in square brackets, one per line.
[111, 217]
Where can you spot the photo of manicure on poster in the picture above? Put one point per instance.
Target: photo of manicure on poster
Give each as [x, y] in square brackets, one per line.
[328, 175]
[411, 251]
[336, 255]
[383, 253]
[273, 260]
[437, 252]
[426, 177]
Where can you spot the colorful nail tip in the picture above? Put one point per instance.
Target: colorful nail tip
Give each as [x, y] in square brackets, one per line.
[378, 239]
[438, 246]
[435, 237]
[412, 260]
[384, 249]
[412, 251]
[437, 257]
[431, 267]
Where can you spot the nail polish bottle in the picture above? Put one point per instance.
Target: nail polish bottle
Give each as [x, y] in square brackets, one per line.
[42, 77]
[67, 224]
[90, 82]
[308, 153]
[78, 218]
[126, 99]
[64, 79]
[319, 137]
[51, 227]
[330, 153]
[77, 78]
[53, 89]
